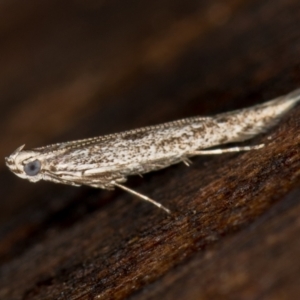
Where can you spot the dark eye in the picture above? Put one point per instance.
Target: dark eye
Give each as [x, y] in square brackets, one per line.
[32, 168]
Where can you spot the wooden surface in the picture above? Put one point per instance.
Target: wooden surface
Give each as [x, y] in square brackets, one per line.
[75, 69]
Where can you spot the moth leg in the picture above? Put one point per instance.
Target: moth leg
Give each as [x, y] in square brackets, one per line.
[186, 161]
[143, 197]
[226, 150]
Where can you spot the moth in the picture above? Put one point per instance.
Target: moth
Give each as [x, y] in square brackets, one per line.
[105, 162]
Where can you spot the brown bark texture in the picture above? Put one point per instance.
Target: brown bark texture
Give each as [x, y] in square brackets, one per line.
[76, 69]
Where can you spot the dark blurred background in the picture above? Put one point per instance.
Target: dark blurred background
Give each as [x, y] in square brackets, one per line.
[76, 69]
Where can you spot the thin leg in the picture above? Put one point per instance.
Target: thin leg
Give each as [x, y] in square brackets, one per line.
[221, 151]
[143, 197]
[186, 161]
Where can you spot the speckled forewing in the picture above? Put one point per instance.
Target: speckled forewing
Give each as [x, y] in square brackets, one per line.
[107, 160]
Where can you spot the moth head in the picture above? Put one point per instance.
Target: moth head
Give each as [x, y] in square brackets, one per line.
[25, 164]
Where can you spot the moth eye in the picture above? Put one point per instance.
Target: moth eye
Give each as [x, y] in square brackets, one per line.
[32, 168]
